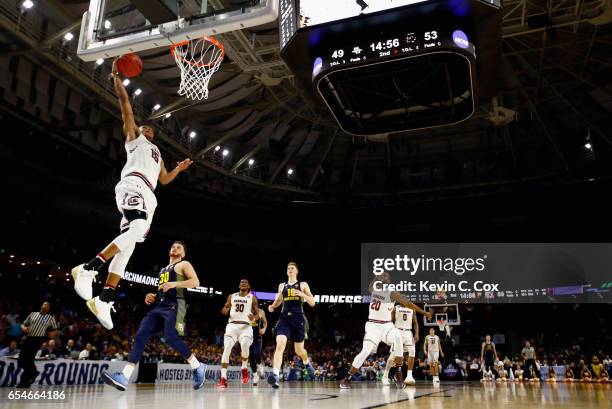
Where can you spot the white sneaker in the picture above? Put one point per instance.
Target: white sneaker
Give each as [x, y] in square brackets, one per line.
[436, 379]
[385, 381]
[102, 311]
[83, 281]
[410, 381]
[261, 371]
[255, 379]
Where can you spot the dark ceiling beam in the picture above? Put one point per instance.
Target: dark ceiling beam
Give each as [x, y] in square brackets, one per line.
[286, 160]
[317, 169]
[233, 110]
[230, 134]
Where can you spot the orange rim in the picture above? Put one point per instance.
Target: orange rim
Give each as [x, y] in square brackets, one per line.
[209, 39]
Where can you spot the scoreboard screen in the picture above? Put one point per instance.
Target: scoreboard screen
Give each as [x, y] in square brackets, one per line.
[314, 12]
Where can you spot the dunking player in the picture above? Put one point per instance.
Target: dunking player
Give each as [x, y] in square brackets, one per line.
[136, 202]
[380, 328]
[433, 350]
[167, 304]
[488, 358]
[405, 321]
[291, 323]
[242, 308]
[259, 324]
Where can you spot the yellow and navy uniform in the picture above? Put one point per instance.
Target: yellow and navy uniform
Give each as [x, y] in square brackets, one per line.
[292, 322]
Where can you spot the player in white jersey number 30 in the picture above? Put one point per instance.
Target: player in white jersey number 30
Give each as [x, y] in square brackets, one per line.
[136, 202]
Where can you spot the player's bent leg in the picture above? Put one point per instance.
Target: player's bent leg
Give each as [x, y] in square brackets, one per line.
[411, 354]
[274, 378]
[245, 345]
[172, 338]
[394, 338]
[366, 350]
[228, 345]
[388, 365]
[301, 352]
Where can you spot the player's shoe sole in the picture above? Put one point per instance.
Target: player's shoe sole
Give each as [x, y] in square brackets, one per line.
[273, 382]
[80, 277]
[107, 379]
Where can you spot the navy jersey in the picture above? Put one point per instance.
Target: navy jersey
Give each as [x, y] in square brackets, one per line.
[291, 301]
[168, 274]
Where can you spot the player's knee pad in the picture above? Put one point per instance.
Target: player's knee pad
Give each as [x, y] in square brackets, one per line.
[228, 345]
[245, 344]
[397, 343]
[367, 349]
[134, 234]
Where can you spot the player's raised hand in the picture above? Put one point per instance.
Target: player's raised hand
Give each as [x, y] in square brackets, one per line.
[150, 298]
[114, 70]
[181, 166]
[167, 286]
[429, 314]
[270, 308]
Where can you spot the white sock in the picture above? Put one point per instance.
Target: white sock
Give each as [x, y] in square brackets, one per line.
[244, 364]
[193, 362]
[276, 371]
[224, 373]
[127, 370]
[409, 374]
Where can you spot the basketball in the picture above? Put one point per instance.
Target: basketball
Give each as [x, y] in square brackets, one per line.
[129, 65]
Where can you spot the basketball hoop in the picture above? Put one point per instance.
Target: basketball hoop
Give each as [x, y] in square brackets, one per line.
[441, 320]
[198, 60]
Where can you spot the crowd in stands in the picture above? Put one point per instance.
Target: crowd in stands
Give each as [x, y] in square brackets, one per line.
[80, 336]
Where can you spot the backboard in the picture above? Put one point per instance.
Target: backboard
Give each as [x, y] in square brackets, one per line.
[114, 27]
[451, 311]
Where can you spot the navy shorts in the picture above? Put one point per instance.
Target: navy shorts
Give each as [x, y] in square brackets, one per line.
[291, 325]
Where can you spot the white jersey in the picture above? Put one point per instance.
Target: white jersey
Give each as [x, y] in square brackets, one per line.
[143, 161]
[381, 307]
[433, 343]
[403, 317]
[241, 308]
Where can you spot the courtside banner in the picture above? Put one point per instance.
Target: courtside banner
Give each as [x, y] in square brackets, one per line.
[180, 373]
[61, 372]
[437, 273]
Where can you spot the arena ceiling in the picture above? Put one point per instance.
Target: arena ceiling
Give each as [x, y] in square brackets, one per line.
[556, 99]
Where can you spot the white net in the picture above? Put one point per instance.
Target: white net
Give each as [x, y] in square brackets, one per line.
[198, 60]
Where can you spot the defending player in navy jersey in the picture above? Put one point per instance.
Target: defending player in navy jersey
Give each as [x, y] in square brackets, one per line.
[242, 308]
[135, 199]
[291, 323]
[167, 304]
[259, 324]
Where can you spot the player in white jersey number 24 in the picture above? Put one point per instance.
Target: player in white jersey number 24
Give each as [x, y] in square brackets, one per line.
[136, 202]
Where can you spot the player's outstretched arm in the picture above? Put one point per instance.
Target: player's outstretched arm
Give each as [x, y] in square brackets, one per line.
[278, 300]
[440, 346]
[166, 177]
[130, 130]
[228, 305]
[415, 325]
[306, 294]
[397, 297]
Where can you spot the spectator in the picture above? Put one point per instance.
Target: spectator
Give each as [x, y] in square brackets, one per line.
[68, 349]
[10, 350]
[585, 374]
[48, 352]
[84, 354]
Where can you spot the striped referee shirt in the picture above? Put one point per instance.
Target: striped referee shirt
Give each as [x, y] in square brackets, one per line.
[40, 324]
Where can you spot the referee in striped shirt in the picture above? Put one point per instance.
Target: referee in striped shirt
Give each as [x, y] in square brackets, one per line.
[38, 327]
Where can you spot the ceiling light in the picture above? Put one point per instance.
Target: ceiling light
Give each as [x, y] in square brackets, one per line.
[138, 92]
[168, 115]
[156, 107]
[251, 162]
[107, 24]
[192, 134]
[290, 171]
[126, 82]
[225, 152]
[27, 4]
[217, 148]
[68, 36]
[588, 145]
[100, 61]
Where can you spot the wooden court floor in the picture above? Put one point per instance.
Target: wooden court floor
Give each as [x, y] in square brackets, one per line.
[326, 395]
